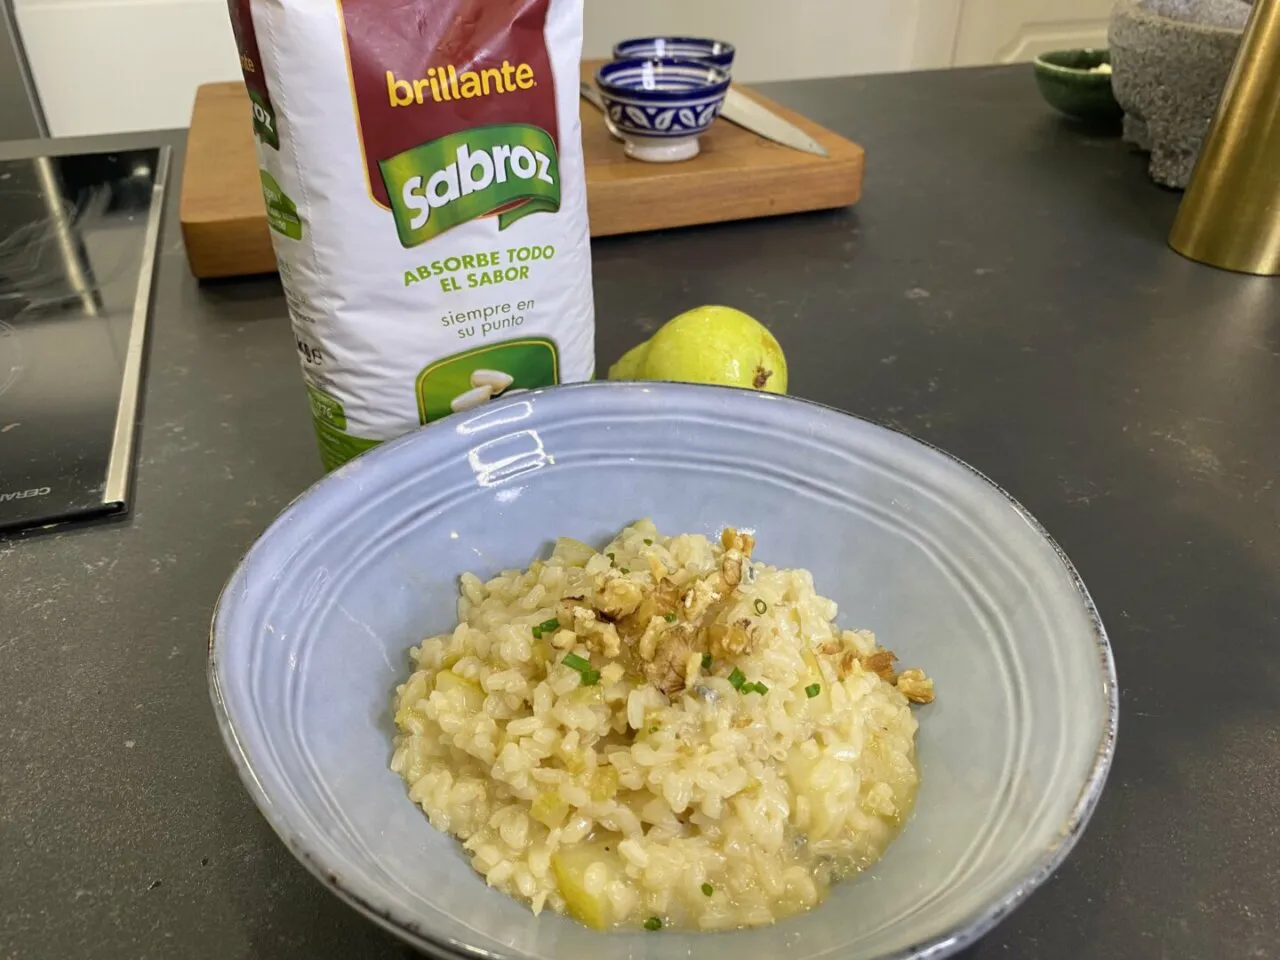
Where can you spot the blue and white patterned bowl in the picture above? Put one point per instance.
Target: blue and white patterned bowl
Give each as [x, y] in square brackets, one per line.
[661, 106]
[312, 634]
[683, 48]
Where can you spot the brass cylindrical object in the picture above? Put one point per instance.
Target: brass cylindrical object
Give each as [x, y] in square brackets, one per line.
[1230, 215]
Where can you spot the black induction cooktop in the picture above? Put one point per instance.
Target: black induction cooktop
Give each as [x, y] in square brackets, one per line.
[78, 241]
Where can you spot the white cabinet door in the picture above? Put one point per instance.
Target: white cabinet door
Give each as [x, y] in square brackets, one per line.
[110, 66]
[1006, 31]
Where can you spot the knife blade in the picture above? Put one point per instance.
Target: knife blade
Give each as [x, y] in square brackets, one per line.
[763, 122]
[738, 109]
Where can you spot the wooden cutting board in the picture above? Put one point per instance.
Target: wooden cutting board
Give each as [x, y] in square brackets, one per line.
[737, 176]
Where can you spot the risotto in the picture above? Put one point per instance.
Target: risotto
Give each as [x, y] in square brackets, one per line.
[666, 733]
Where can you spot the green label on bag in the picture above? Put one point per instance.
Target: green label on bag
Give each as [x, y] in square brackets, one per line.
[509, 169]
[530, 363]
[282, 212]
[326, 408]
[336, 447]
[264, 119]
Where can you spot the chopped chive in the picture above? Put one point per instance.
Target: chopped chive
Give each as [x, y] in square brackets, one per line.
[624, 570]
[590, 678]
[575, 662]
[761, 606]
[610, 556]
[761, 688]
[653, 923]
[708, 889]
[648, 543]
[812, 690]
[546, 626]
[670, 618]
[737, 679]
[706, 661]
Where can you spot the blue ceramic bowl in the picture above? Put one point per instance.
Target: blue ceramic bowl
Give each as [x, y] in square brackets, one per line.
[312, 633]
[661, 106]
[684, 48]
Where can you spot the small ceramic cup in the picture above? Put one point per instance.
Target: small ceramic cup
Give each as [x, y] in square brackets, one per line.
[661, 106]
[1078, 83]
[682, 48]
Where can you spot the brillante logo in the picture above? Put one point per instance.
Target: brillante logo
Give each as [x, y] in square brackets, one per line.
[24, 494]
[442, 84]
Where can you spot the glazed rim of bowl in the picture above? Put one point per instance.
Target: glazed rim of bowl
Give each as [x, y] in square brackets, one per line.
[641, 47]
[685, 77]
[1088, 58]
[960, 935]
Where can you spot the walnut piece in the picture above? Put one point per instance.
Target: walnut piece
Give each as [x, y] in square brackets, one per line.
[737, 553]
[731, 539]
[599, 635]
[915, 686]
[670, 628]
[698, 599]
[731, 569]
[661, 601]
[616, 596]
[880, 663]
[667, 669]
[845, 666]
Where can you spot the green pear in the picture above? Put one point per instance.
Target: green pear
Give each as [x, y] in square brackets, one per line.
[713, 344]
[630, 364]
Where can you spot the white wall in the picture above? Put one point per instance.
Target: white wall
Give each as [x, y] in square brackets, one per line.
[104, 66]
[780, 40]
[112, 65]
[1005, 31]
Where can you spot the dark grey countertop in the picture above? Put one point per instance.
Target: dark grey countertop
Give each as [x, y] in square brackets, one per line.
[1003, 290]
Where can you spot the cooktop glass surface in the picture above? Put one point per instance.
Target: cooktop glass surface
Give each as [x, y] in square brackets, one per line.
[77, 244]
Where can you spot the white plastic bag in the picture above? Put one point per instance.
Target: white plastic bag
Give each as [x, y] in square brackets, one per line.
[421, 162]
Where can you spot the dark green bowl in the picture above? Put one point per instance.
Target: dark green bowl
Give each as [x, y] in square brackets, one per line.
[1069, 83]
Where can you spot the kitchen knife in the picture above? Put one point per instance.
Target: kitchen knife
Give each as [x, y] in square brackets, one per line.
[741, 110]
[760, 120]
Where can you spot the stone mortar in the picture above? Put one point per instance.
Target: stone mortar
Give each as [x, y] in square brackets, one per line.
[1170, 60]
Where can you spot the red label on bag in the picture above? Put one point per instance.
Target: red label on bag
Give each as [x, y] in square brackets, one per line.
[264, 115]
[422, 70]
